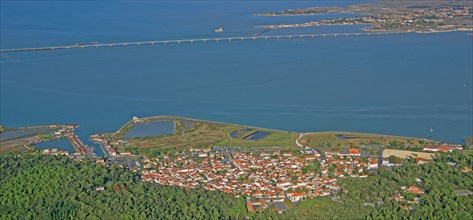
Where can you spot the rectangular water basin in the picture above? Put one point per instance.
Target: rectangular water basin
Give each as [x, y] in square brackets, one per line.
[255, 136]
[151, 129]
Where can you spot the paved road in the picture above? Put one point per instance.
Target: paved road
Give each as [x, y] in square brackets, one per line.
[191, 41]
[300, 136]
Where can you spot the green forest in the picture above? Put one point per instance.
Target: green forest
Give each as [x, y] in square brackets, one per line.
[372, 197]
[56, 187]
[34, 186]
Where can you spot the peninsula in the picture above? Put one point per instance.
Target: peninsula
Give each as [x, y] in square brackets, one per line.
[390, 16]
[171, 133]
[260, 171]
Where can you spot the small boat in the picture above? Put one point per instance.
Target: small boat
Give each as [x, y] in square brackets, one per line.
[431, 130]
[218, 30]
[36, 142]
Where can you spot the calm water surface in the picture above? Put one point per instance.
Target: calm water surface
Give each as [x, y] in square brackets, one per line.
[398, 84]
[151, 129]
[60, 144]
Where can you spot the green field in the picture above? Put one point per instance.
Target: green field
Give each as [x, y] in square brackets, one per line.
[329, 139]
[207, 133]
[16, 148]
[45, 136]
[405, 154]
[203, 134]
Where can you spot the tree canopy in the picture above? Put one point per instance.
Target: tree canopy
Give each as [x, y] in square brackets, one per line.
[34, 186]
[56, 187]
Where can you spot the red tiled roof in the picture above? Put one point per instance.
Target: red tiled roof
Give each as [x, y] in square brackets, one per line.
[250, 208]
[415, 190]
[353, 151]
[297, 194]
[310, 157]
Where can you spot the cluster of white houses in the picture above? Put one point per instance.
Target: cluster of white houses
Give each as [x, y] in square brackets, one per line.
[270, 176]
[443, 147]
[55, 152]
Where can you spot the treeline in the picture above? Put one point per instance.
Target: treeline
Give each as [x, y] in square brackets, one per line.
[373, 197]
[440, 180]
[51, 187]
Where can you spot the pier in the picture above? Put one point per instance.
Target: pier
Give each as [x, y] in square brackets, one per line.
[79, 146]
[191, 41]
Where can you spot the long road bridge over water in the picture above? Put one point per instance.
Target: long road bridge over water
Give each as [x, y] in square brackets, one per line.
[197, 40]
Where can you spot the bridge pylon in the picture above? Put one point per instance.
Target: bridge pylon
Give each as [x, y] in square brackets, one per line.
[204, 40]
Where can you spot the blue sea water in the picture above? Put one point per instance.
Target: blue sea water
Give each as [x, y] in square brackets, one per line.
[392, 84]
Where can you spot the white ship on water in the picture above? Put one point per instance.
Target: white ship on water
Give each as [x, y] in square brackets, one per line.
[218, 30]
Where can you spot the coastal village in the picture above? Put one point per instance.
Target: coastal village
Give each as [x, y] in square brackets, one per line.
[356, 110]
[265, 176]
[422, 19]
[275, 178]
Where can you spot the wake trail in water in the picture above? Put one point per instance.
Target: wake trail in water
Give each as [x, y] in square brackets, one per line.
[63, 92]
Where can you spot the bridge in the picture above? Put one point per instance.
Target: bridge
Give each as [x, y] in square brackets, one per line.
[191, 41]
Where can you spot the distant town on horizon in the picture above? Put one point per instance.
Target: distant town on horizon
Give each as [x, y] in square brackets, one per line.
[236, 110]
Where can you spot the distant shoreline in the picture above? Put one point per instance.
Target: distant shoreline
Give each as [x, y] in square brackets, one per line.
[416, 16]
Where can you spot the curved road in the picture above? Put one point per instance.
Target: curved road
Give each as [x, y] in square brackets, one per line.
[300, 136]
